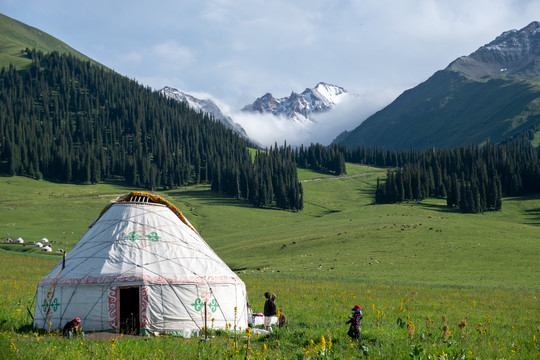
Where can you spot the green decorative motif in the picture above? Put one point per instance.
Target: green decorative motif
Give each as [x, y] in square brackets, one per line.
[54, 305]
[213, 305]
[132, 236]
[199, 304]
[153, 236]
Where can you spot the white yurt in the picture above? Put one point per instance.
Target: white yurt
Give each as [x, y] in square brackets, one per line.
[142, 268]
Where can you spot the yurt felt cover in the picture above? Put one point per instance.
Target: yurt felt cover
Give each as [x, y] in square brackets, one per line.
[141, 240]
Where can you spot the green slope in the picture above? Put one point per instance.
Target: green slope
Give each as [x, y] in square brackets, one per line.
[16, 36]
[340, 235]
[450, 110]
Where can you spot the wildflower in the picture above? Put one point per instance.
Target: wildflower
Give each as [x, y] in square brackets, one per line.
[264, 347]
[323, 342]
[410, 328]
[462, 324]
[445, 331]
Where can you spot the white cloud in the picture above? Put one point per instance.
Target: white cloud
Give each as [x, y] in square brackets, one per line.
[173, 54]
[266, 129]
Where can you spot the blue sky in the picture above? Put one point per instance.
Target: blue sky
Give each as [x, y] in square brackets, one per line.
[238, 50]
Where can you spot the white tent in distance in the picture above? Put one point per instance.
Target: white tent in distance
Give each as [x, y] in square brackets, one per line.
[142, 268]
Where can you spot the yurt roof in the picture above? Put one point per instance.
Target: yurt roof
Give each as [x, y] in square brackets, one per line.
[145, 198]
[140, 238]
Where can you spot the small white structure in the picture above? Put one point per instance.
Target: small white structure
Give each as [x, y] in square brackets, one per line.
[44, 240]
[38, 244]
[19, 240]
[46, 248]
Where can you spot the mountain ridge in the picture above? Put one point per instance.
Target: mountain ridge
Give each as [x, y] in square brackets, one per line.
[300, 107]
[207, 106]
[471, 101]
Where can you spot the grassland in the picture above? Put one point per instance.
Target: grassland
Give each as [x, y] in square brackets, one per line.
[17, 36]
[427, 265]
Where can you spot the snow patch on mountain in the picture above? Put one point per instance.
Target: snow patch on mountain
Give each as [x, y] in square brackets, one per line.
[514, 53]
[300, 107]
[207, 106]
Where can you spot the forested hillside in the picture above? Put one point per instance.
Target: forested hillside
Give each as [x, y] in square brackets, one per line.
[473, 179]
[68, 120]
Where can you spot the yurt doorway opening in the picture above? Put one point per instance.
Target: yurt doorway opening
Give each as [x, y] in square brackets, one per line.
[129, 310]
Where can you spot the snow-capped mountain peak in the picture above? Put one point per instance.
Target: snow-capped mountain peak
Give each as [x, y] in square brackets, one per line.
[206, 106]
[300, 107]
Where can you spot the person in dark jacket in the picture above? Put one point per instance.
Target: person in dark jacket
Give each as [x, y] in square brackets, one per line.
[72, 327]
[269, 311]
[355, 322]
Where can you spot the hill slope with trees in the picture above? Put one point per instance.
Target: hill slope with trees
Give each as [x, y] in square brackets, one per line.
[65, 119]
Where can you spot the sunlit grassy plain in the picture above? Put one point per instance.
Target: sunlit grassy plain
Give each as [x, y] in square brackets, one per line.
[422, 263]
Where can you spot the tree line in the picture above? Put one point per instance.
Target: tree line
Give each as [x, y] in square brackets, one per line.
[471, 178]
[67, 120]
[330, 159]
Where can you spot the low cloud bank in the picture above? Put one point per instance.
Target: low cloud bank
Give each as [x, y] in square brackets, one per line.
[267, 129]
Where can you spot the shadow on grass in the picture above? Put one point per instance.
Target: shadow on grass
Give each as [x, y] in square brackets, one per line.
[533, 215]
[439, 208]
[28, 328]
[323, 210]
[368, 191]
[215, 199]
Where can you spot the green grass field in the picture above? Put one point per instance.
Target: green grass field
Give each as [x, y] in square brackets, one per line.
[423, 263]
[17, 36]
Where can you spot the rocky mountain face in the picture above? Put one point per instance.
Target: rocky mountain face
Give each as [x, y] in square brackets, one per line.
[300, 107]
[514, 53]
[491, 95]
[206, 106]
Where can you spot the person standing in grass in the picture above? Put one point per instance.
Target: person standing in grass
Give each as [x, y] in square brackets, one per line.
[355, 322]
[269, 311]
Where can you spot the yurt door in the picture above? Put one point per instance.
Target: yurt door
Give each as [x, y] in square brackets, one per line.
[129, 310]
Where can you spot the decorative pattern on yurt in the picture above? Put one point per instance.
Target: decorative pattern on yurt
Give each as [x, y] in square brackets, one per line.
[141, 268]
